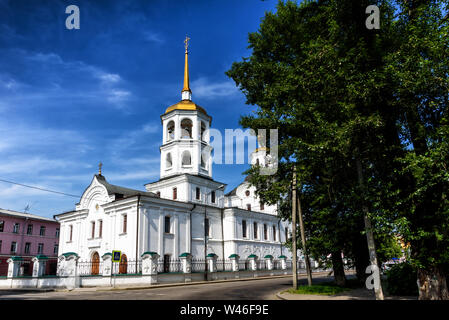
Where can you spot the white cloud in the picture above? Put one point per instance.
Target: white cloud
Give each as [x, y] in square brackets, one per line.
[153, 37]
[203, 88]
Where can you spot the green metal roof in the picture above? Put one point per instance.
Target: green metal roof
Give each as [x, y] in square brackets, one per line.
[185, 254]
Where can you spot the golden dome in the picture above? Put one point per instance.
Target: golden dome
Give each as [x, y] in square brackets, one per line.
[261, 149]
[185, 105]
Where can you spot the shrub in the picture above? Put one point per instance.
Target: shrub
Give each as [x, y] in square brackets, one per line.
[401, 280]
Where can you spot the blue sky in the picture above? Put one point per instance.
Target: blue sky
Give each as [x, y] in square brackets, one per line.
[72, 98]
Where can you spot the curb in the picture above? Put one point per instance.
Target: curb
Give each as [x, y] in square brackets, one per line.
[168, 285]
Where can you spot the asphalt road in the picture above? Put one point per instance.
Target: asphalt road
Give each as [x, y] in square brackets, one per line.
[262, 289]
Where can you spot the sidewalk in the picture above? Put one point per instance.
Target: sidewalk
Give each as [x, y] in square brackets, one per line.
[354, 294]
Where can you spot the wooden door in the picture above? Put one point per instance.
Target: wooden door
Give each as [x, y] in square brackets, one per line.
[123, 264]
[95, 263]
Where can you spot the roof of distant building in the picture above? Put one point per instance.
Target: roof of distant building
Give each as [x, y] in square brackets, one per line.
[24, 215]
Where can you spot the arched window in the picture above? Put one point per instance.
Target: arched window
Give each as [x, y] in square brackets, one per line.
[170, 130]
[95, 269]
[203, 130]
[168, 161]
[123, 266]
[186, 158]
[186, 129]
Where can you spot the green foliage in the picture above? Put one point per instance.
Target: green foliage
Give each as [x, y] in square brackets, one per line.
[341, 94]
[319, 289]
[401, 280]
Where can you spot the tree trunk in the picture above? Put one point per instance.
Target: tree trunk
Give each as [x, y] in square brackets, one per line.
[304, 243]
[294, 237]
[432, 284]
[370, 237]
[339, 270]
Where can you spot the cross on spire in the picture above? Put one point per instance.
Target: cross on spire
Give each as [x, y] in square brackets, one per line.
[99, 168]
[186, 43]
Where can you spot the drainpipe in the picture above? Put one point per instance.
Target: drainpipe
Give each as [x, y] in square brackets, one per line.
[191, 237]
[137, 230]
[222, 238]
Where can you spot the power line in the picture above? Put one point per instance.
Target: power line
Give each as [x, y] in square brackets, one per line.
[41, 189]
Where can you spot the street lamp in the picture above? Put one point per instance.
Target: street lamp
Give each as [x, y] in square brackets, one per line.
[206, 227]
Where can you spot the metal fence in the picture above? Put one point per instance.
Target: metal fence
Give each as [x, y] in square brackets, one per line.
[95, 268]
[3, 267]
[198, 265]
[26, 268]
[90, 268]
[51, 266]
[261, 264]
[224, 265]
[169, 265]
[243, 265]
[277, 265]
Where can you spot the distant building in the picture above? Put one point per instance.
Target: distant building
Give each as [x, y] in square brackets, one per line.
[26, 235]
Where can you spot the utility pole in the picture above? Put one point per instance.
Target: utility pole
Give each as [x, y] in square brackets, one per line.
[294, 237]
[370, 238]
[304, 245]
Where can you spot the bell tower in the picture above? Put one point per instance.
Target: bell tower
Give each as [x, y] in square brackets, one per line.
[185, 141]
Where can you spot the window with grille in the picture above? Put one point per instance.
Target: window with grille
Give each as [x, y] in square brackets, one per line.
[57, 233]
[244, 228]
[27, 247]
[30, 229]
[100, 227]
[13, 247]
[206, 227]
[2, 224]
[198, 193]
[55, 249]
[125, 221]
[15, 228]
[92, 235]
[212, 195]
[167, 224]
[42, 231]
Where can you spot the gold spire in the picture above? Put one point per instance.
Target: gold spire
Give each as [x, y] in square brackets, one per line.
[99, 168]
[186, 86]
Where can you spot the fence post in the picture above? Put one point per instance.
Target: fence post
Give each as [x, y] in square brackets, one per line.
[14, 266]
[212, 266]
[235, 264]
[283, 263]
[39, 264]
[69, 269]
[107, 264]
[269, 262]
[186, 261]
[253, 264]
[149, 265]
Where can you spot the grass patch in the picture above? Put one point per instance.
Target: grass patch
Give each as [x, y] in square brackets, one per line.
[324, 288]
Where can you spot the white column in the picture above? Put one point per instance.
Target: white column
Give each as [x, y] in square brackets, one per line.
[176, 238]
[188, 234]
[161, 232]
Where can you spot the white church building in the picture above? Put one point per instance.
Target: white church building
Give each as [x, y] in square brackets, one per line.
[185, 211]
